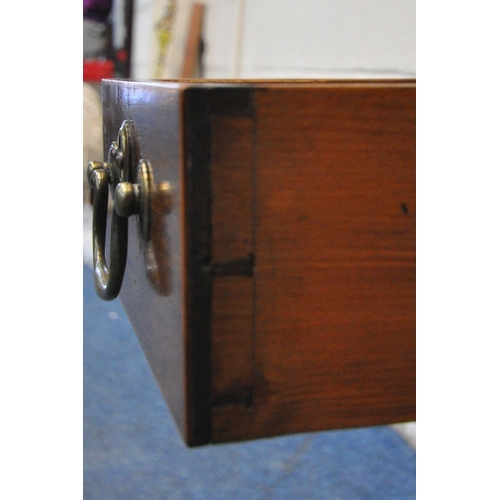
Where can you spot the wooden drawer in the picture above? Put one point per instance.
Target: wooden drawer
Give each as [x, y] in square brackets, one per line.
[288, 255]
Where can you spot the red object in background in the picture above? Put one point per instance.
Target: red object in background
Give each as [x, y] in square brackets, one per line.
[94, 70]
[122, 55]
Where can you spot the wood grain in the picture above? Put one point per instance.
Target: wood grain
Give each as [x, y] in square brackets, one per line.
[331, 340]
[232, 296]
[335, 258]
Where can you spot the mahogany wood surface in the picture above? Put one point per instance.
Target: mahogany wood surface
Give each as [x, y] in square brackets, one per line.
[335, 265]
[158, 321]
[232, 296]
[334, 277]
[293, 252]
[232, 219]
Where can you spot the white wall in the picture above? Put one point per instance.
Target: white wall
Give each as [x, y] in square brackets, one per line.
[143, 40]
[287, 38]
[223, 35]
[317, 38]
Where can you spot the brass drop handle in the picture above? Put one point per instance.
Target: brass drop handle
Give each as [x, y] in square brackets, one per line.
[107, 278]
[130, 198]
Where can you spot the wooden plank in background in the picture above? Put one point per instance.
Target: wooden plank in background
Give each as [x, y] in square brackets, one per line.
[192, 54]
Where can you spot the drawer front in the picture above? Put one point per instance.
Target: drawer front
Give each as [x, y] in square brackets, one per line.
[158, 319]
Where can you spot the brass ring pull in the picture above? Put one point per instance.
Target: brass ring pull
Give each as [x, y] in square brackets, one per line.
[130, 198]
[107, 279]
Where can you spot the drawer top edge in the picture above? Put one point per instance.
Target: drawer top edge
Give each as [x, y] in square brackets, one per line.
[201, 82]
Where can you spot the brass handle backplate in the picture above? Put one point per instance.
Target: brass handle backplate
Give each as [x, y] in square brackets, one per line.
[134, 191]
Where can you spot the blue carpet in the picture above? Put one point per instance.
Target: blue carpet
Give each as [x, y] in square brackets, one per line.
[132, 451]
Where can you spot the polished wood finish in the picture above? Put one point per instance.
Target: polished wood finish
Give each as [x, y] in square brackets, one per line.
[293, 305]
[159, 321]
[335, 266]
